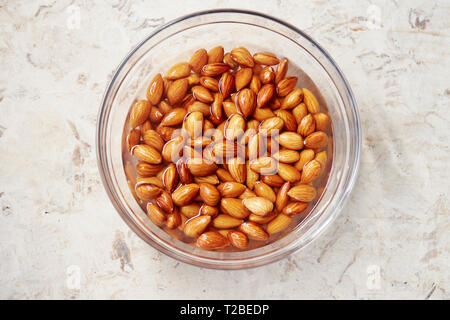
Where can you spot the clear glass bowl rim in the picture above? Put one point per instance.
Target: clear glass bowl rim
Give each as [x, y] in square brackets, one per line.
[281, 252]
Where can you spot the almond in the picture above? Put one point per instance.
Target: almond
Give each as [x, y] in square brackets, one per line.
[316, 140]
[202, 94]
[291, 140]
[156, 181]
[322, 121]
[237, 169]
[310, 101]
[246, 99]
[153, 139]
[265, 191]
[290, 124]
[195, 226]
[167, 133]
[261, 114]
[299, 112]
[199, 106]
[207, 210]
[265, 95]
[287, 156]
[177, 91]
[133, 138]
[193, 79]
[144, 169]
[224, 175]
[139, 113]
[209, 194]
[201, 167]
[243, 77]
[190, 210]
[147, 154]
[183, 172]
[147, 192]
[224, 221]
[238, 239]
[281, 71]
[305, 156]
[215, 54]
[242, 57]
[178, 71]
[210, 83]
[262, 220]
[322, 158]
[164, 201]
[229, 61]
[295, 208]
[233, 207]
[224, 149]
[226, 84]
[267, 75]
[234, 127]
[198, 60]
[271, 126]
[173, 220]
[247, 194]
[285, 86]
[155, 214]
[229, 108]
[292, 99]
[214, 69]
[265, 58]
[306, 126]
[173, 149]
[231, 189]
[212, 240]
[282, 196]
[155, 115]
[212, 179]
[288, 172]
[170, 177]
[185, 194]
[145, 126]
[254, 231]
[311, 171]
[264, 165]
[278, 224]
[272, 180]
[164, 107]
[155, 89]
[252, 176]
[303, 193]
[255, 84]
[193, 124]
[258, 205]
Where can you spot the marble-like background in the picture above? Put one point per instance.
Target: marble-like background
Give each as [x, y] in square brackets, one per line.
[391, 240]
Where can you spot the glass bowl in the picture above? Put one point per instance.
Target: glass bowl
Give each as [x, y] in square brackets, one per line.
[175, 42]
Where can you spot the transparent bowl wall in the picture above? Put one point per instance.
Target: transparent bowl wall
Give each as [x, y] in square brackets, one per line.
[175, 42]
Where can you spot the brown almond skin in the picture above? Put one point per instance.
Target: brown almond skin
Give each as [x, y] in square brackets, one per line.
[272, 180]
[322, 121]
[144, 169]
[303, 193]
[147, 154]
[155, 115]
[224, 175]
[190, 210]
[265, 58]
[238, 239]
[265, 95]
[255, 84]
[164, 201]
[305, 156]
[217, 107]
[237, 169]
[177, 91]
[254, 231]
[281, 71]
[212, 240]
[234, 127]
[155, 89]
[299, 112]
[307, 126]
[155, 214]
[291, 140]
[242, 57]
[214, 69]
[225, 221]
[246, 99]
[285, 86]
[208, 210]
[185, 194]
[311, 171]
[226, 84]
[295, 208]
[145, 126]
[243, 77]
[178, 71]
[209, 194]
[263, 190]
[282, 196]
[202, 94]
[195, 226]
[271, 126]
[310, 101]
[292, 99]
[231, 189]
[174, 117]
[173, 220]
[215, 54]
[133, 138]
[201, 167]
[139, 113]
[147, 192]
[258, 205]
[267, 75]
[228, 60]
[290, 124]
[278, 224]
[288, 172]
[233, 207]
[198, 60]
[153, 139]
[210, 83]
[316, 140]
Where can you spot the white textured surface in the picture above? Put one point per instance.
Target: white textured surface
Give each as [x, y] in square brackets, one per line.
[54, 213]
